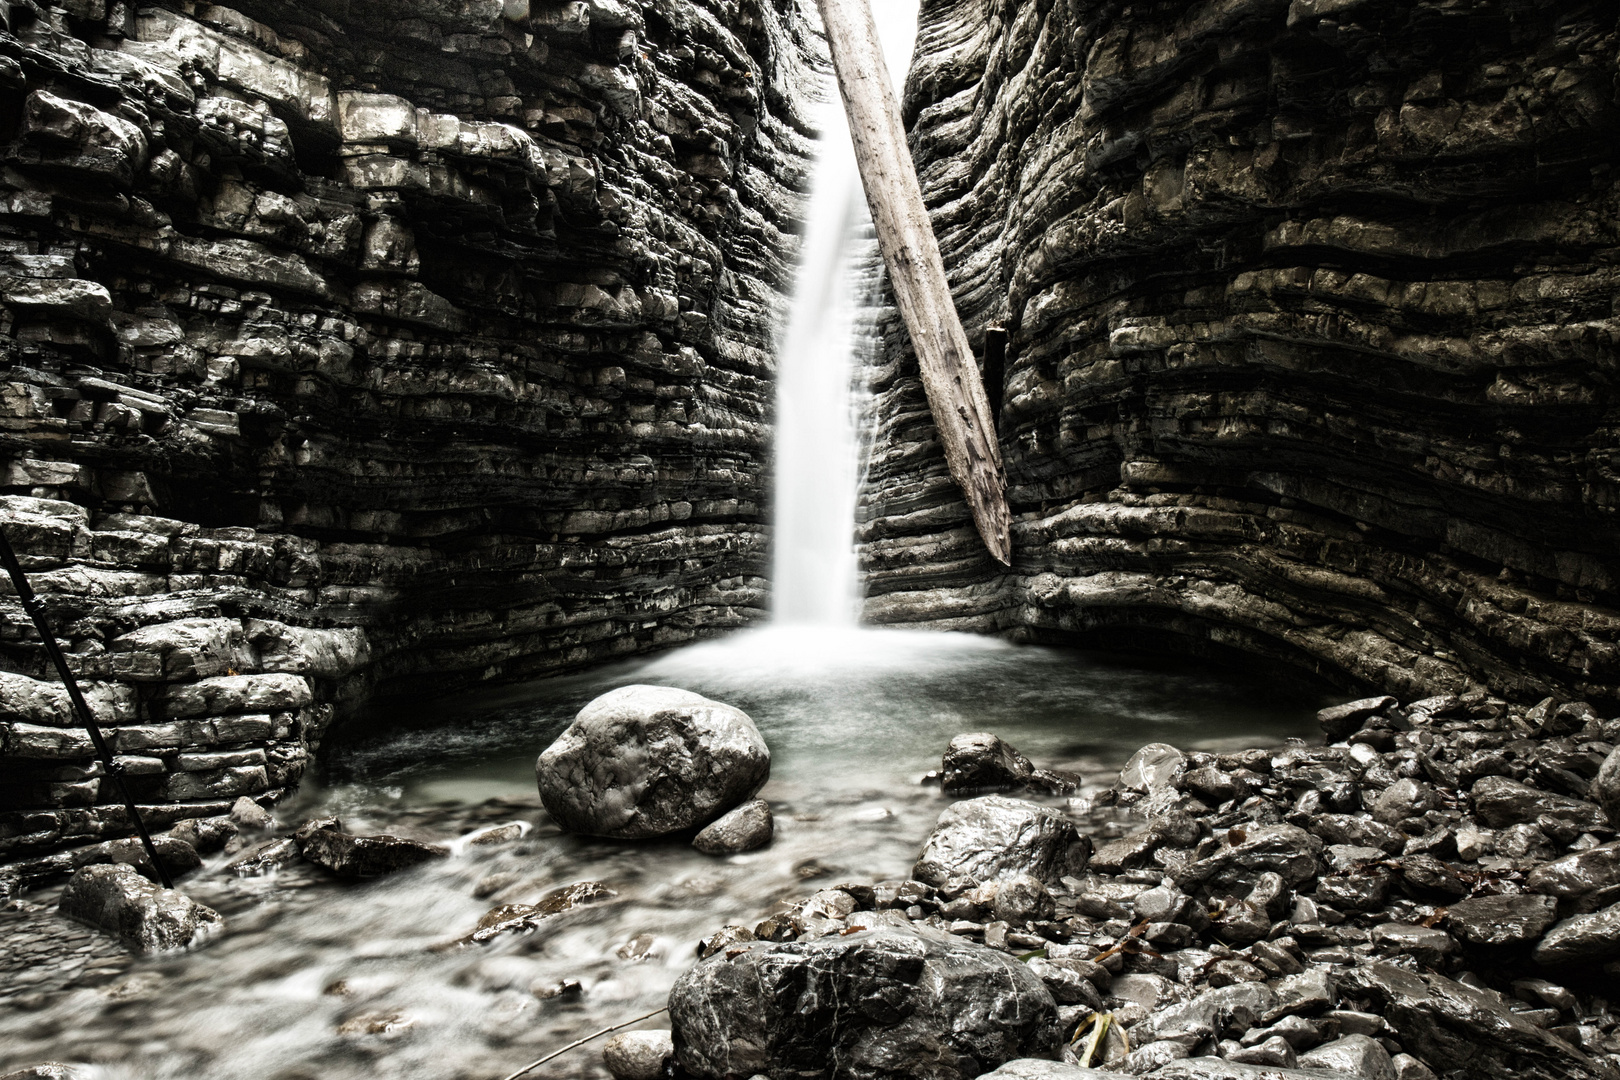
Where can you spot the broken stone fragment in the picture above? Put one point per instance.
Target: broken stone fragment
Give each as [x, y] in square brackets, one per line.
[647, 761]
[250, 815]
[527, 918]
[994, 837]
[946, 1008]
[1582, 940]
[264, 858]
[1501, 802]
[1341, 721]
[747, 827]
[147, 918]
[1586, 880]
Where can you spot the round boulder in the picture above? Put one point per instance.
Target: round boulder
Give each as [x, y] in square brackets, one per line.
[646, 761]
[638, 1055]
[883, 1004]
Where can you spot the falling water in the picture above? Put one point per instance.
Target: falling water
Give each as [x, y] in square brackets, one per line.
[817, 445]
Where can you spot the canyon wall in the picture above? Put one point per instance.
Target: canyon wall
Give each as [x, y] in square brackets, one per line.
[359, 350]
[1311, 335]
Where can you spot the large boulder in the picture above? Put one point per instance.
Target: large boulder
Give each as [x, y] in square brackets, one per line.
[1472, 1031]
[645, 761]
[995, 837]
[116, 898]
[882, 1004]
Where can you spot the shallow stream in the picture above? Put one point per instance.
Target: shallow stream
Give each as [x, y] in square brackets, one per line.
[320, 979]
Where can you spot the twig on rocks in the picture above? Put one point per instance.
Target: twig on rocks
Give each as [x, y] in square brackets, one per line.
[577, 1043]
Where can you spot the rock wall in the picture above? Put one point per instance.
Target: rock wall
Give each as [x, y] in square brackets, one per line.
[354, 349]
[1312, 335]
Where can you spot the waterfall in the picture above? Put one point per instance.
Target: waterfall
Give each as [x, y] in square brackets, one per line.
[817, 454]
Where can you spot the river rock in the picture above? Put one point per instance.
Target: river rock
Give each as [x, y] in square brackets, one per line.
[147, 918]
[994, 837]
[646, 761]
[1606, 787]
[881, 1004]
[250, 815]
[1586, 880]
[1040, 1069]
[1285, 850]
[748, 827]
[638, 1055]
[1341, 721]
[1502, 920]
[1359, 830]
[1501, 802]
[178, 857]
[1210, 1068]
[1153, 768]
[982, 762]
[1356, 1055]
[350, 856]
[1471, 1031]
[1582, 939]
[49, 1070]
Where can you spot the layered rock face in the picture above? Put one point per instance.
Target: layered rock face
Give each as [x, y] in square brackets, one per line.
[373, 348]
[1311, 334]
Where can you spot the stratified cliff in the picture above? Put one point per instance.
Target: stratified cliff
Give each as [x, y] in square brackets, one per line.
[353, 347]
[1312, 334]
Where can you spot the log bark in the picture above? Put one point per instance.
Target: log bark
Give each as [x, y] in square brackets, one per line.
[950, 378]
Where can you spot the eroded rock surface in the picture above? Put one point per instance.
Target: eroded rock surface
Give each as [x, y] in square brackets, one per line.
[1308, 324]
[380, 346]
[144, 916]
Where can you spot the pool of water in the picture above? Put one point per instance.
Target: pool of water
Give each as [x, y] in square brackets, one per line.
[319, 979]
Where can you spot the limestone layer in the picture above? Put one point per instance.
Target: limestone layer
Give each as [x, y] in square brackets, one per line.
[1311, 335]
[367, 348]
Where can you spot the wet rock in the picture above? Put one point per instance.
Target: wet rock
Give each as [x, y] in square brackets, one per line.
[1040, 1069]
[1066, 984]
[1404, 800]
[49, 1070]
[147, 918]
[887, 1003]
[722, 939]
[1586, 881]
[205, 835]
[1153, 768]
[1582, 939]
[1424, 944]
[646, 761]
[982, 762]
[1288, 851]
[995, 837]
[250, 815]
[1356, 1055]
[265, 858]
[1227, 1010]
[1312, 990]
[1021, 900]
[1424, 875]
[1408, 1067]
[1340, 721]
[1501, 802]
[178, 857]
[1275, 1050]
[527, 918]
[1359, 830]
[1300, 1033]
[1208, 1068]
[1502, 920]
[357, 857]
[1471, 1031]
[1605, 788]
[746, 828]
[638, 1055]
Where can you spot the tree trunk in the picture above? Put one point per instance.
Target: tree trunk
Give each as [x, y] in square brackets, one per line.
[917, 271]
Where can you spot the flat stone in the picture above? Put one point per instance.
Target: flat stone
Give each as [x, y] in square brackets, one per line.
[1501, 802]
[1502, 920]
[1356, 1055]
[876, 1004]
[358, 857]
[1209, 1068]
[646, 761]
[1586, 880]
[147, 918]
[1341, 721]
[1582, 940]
[746, 828]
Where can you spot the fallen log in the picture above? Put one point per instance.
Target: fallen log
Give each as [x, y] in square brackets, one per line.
[950, 378]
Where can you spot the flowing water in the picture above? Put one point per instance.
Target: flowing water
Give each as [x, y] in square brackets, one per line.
[321, 979]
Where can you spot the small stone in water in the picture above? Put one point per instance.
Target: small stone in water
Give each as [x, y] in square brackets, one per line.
[250, 815]
[387, 1024]
[638, 1055]
[747, 827]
